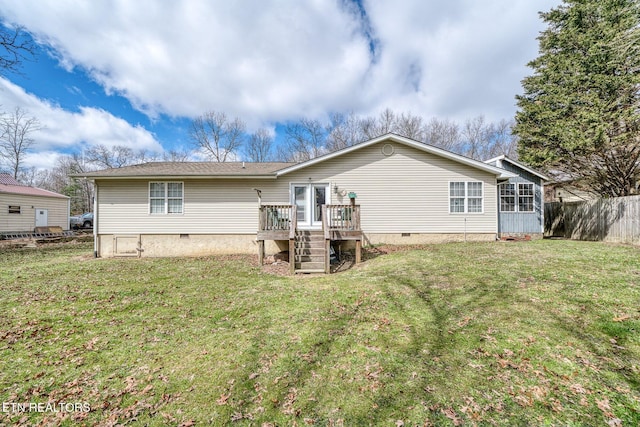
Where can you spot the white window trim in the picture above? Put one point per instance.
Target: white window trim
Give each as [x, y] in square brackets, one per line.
[517, 198]
[166, 197]
[466, 198]
[533, 197]
[309, 185]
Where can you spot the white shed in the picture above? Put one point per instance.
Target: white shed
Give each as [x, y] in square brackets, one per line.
[22, 208]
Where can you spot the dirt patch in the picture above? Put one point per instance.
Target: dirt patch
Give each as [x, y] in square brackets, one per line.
[277, 268]
[45, 242]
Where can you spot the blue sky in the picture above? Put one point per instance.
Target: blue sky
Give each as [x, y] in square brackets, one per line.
[130, 73]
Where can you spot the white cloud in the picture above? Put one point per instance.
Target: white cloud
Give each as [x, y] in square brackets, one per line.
[275, 61]
[64, 130]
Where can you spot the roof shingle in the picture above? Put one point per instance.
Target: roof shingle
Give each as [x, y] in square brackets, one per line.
[29, 191]
[195, 169]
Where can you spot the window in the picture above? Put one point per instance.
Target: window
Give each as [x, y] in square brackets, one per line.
[507, 197]
[523, 194]
[474, 197]
[525, 197]
[456, 196]
[465, 197]
[165, 198]
[14, 209]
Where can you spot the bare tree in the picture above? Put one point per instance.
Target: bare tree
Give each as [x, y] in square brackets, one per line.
[475, 137]
[304, 140]
[103, 157]
[409, 126]
[383, 124]
[144, 156]
[443, 134]
[216, 136]
[345, 131]
[16, 46]
[176, 155]
[15, 139]
[502, 140]
[29, 176]
[258, 146]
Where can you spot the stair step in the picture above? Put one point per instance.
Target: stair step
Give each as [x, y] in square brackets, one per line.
[310, 258]
[309, 266]
[310, 245]
[309, 238]
[305, 250]
[310, 271]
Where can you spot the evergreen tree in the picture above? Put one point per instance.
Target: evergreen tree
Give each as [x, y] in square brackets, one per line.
[579, 116]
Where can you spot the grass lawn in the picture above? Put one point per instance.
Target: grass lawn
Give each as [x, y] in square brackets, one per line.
[530, 333]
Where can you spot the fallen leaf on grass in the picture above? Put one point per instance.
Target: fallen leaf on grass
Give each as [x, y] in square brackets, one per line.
[577, 389]
[168, 417]
[523, 401]
[188, 423]
[464, 322]
[604, 406]
[90, 344]
[622, 318]
[223, 399]
[451, 414]
[556, 405]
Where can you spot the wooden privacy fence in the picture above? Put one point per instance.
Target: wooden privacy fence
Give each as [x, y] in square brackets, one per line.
[610, 220]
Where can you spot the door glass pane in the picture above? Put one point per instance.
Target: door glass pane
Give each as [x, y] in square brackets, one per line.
[300, 199]
[319, 197]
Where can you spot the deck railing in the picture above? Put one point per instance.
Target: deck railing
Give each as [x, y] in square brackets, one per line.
[342, 217]
[284, 218]
[276, 217]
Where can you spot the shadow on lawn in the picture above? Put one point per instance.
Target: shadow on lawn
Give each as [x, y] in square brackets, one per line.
[441, 340]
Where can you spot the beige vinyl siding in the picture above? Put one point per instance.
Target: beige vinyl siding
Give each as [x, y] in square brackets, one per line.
[407, 192]
[57, 212]
[210, 206]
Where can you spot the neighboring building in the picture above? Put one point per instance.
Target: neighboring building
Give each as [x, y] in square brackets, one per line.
[566, 191]
[389, 189]
[520, 200]
[22, 208]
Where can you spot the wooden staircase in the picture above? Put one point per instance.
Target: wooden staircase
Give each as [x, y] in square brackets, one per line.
[310, 253]
[308, 249]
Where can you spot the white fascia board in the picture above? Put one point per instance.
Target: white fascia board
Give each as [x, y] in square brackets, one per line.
[520, 165]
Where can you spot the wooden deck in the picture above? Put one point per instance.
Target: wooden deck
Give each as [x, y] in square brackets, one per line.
[339, 223]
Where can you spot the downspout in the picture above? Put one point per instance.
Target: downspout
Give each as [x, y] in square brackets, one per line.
[465, 229]
[542, 207]
[96, 220]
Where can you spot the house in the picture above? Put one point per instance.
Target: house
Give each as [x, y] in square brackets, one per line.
[23, 208]
[566, 190]
[520, 200]
[389, 189]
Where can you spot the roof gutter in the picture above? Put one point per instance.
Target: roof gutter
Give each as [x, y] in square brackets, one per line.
[170, 177]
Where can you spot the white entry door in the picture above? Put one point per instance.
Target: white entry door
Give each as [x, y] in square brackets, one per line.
[42, 217]
[309, 199]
